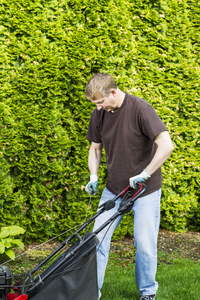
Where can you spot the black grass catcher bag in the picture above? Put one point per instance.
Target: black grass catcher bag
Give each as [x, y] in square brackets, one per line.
[75, 279]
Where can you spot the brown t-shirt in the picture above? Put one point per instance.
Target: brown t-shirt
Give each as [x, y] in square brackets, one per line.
[128, 139]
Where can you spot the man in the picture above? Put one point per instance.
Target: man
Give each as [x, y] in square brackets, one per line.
[136, 144]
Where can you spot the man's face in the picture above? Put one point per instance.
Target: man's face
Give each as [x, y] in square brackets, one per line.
[107, 103]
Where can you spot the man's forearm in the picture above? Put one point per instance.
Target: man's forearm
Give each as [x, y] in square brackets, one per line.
[165, 147]
[94, 159]
[157, 161]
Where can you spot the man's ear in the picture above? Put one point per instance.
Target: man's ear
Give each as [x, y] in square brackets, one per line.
[113, 92]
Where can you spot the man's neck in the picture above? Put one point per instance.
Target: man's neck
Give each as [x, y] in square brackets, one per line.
[120, 97]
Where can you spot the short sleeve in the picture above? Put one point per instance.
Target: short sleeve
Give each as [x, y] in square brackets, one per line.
[151, 123]
[93, 133]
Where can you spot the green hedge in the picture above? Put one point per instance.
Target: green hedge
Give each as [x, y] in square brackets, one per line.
[49, 50]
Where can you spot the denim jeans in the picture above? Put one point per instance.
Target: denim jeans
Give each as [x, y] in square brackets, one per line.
[146, 226]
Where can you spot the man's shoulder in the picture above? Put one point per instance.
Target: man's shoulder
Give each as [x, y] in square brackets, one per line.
[137, 102]
[97, 115]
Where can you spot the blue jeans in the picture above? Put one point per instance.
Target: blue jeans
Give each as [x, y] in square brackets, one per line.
[146, 226]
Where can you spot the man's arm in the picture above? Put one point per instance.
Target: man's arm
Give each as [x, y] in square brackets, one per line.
[94, 161]
[164, 149]
[94, 158]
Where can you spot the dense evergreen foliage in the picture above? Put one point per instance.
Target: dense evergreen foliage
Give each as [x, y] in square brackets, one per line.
[49, 50]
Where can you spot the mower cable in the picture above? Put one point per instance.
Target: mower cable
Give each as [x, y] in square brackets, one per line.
[87, 209]
[41, 244]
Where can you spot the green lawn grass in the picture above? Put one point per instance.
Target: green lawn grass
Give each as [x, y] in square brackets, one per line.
[178, 278]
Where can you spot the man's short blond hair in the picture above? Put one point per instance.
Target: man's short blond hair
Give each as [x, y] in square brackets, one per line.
[99, 86]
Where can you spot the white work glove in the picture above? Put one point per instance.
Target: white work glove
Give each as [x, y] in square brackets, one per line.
[138, 178]
[92, 186]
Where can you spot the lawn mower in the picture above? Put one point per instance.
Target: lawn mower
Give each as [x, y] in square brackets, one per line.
[70, 271]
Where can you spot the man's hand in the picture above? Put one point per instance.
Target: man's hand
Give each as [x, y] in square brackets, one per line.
[92, 186]
[138, 178]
